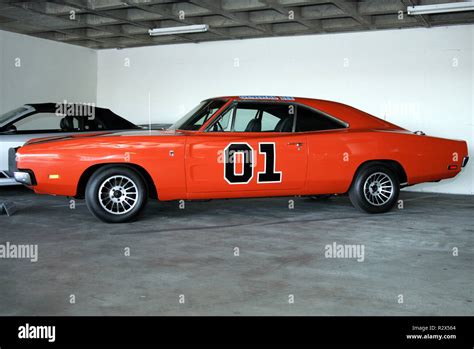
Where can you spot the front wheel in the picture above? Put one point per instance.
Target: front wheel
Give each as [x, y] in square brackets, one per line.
[375, 189]
[116, 194]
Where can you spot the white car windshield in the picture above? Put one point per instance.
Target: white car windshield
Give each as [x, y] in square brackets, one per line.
[9, 115]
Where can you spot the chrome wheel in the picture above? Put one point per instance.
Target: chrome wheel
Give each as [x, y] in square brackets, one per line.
[118, 194]
[378, 189]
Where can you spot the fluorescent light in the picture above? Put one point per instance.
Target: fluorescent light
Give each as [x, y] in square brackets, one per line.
[197, 28]
[441, 8]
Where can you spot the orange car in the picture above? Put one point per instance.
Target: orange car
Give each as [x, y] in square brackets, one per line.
[235, 147]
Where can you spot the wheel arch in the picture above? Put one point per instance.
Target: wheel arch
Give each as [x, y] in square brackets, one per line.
[392, 164]
[87, 174]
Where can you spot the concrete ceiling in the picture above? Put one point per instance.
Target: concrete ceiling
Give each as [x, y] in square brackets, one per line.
[102, 24]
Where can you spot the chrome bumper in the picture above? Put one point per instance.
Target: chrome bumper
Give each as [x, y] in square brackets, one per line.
[23, 178]
[464, 161]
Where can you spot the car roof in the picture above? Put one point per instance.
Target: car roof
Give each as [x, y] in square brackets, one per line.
[354, 117]
[106, 115]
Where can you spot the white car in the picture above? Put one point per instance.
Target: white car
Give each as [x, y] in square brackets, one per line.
[50, 119]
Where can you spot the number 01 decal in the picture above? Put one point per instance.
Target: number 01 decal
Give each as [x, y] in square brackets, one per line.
[239, 164]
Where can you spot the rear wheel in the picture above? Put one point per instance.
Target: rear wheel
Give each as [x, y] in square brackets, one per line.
[116, 194]
[375, 188]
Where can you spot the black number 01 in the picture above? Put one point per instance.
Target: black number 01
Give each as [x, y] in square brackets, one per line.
[269, 175]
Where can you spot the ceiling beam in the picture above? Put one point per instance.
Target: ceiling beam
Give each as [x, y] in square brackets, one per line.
[351, 9]
[76, 3]
[314, 26]
[216, 7]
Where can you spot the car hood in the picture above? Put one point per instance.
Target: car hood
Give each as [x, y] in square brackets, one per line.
[107, 134]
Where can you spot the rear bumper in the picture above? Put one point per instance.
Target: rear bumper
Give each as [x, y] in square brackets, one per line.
[25, 177]
[12, 161]
[465, 161]
[4, 182]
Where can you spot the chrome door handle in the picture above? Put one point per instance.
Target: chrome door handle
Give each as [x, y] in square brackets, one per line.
[298, 144]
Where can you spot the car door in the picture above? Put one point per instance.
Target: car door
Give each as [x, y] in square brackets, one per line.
[247, 150]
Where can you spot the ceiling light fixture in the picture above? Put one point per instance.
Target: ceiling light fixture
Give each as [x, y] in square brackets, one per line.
[185, 29]
[441, 8]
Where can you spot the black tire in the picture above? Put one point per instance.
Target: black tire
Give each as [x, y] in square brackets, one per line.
[375, 188]
[116, 184]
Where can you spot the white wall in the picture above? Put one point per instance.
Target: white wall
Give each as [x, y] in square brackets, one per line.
[35, 70]
[421, 79]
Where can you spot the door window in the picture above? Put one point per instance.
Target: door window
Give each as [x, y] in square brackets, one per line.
[243, 118]
[269, 122]
[256, 117]
[40, 121]
[225, 122]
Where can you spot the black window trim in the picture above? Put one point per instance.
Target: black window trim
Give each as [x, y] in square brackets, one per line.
[295, 119]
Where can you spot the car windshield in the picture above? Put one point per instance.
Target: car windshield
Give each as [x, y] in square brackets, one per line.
[8, 115]
[198, 116]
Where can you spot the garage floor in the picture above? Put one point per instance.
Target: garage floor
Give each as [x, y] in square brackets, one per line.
[190, 252]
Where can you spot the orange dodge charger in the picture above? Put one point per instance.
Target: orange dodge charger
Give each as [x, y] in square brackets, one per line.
[235, 147]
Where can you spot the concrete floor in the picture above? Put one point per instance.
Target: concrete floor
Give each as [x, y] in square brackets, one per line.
[190, 252]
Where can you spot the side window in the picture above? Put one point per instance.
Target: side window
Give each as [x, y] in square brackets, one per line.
[243, 116]
[269, 122]
[201, 121]
[199, 115]
[311, 120]
[40, 121]
[225, 121]
[256, 117]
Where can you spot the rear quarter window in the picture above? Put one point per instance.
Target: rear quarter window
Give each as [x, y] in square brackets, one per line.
[308, 119]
